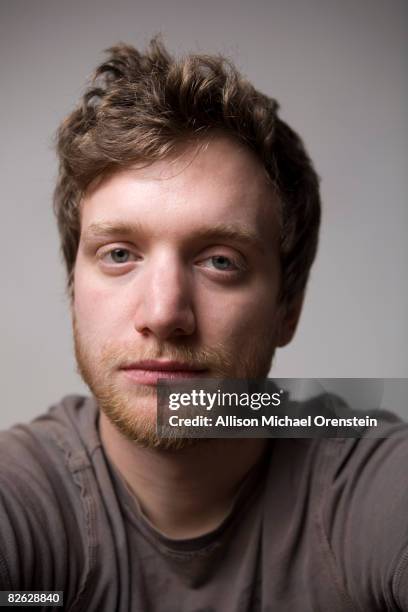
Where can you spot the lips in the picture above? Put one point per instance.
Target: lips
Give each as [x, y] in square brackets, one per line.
[149, 372]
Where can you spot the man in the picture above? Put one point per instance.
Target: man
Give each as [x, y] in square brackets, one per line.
[188, 214]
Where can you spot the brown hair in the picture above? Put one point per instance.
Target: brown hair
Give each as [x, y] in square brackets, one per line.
[140, 106]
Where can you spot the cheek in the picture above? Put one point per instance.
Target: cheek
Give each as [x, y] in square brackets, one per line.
[93, 308]
[238, 316]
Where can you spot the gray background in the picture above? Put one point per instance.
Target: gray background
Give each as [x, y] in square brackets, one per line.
[339, 70]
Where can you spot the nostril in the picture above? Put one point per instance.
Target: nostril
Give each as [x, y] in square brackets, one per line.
[150, 323]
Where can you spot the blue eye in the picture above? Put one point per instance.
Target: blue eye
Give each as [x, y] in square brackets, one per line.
[119, 255]
[222, 263]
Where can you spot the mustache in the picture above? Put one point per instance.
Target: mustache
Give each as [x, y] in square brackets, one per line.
[217, 359]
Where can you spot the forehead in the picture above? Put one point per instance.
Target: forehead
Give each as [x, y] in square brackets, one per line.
[205, 184]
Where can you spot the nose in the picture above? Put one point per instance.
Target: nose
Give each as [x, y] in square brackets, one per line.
[165, 308]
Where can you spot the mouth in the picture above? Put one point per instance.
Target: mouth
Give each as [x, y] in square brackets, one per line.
[149, 372]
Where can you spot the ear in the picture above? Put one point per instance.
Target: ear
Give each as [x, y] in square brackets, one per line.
[289, 320]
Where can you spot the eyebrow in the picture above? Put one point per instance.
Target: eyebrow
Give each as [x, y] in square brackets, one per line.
[221, 231]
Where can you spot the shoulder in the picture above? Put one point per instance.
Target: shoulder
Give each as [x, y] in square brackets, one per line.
[40, 497]
[364, 514]
[53, 444]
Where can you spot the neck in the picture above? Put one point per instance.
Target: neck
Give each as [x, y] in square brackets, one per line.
[184, 493]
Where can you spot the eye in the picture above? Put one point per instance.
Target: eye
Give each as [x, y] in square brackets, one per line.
[119, 255]
[220, 262]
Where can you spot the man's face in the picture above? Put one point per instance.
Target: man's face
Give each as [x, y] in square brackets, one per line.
[177, 274]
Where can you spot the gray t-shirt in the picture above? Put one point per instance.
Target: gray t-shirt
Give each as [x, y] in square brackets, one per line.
[319, 524]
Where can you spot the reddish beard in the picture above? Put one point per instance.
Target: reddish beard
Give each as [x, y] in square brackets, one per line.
[129, 407]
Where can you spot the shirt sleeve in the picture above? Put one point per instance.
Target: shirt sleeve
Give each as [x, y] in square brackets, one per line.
[40, 543]
[365, 518]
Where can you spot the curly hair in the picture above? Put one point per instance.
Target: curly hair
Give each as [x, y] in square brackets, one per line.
[140, 106]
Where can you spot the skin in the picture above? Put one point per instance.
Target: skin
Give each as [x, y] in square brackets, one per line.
[177, 292]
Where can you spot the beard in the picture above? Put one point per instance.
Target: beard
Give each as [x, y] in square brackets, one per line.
[129, 406]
